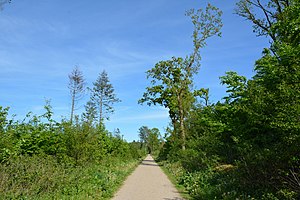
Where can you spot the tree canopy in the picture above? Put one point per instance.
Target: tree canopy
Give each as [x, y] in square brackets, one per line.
[103, 96]
[172, 80]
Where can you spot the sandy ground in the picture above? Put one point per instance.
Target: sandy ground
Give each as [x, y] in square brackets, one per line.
[147, 182]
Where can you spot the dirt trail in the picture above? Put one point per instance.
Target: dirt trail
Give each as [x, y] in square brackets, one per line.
[148, 182]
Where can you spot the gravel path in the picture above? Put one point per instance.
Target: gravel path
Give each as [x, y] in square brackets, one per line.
[147, 182]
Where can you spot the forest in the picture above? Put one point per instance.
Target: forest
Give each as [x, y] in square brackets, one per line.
[245, 146]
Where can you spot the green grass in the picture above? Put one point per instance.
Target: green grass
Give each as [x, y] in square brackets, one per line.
[172, 173]
[36, 177]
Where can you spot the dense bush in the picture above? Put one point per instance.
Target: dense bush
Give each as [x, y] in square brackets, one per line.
[247, 146]
[36, 177]
[43, 159]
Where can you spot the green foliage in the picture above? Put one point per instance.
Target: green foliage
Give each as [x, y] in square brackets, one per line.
[36, 177]
[90, 114]
[247, 147]
[103, 97]
[168, 79]
[236, 85]
[150, 139]
[3, 118]
[172, 80]
[43, 159]
[207, 23]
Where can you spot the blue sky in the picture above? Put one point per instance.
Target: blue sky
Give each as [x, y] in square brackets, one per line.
[41, 42]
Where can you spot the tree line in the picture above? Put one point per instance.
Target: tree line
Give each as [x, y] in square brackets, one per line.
[42, 158]
[245, 146]
[77, 158]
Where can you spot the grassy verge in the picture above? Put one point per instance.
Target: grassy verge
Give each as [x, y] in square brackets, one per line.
[173, 171]
[36, 177]
[217, 183]
[181, 189]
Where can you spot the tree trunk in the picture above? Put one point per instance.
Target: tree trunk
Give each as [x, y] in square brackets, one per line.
[181, 122]
[182, 130]
[72, 106]
[100, 112]
[174, 122]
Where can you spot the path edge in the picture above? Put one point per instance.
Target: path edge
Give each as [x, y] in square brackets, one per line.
[182, 191]
[124, 180]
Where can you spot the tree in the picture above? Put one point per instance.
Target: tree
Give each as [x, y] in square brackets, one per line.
[203, 94]
[150, 138]
[265, 14]
[77, 87]
[117, 134]
[251, 140]
[103, 96]
[154, 140]
[90, 113]
[144, 132]
[172, 80]
[262, 114]
[273, 94]
[236, 85]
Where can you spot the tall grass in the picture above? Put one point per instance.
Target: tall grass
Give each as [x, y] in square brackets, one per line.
[36, 177]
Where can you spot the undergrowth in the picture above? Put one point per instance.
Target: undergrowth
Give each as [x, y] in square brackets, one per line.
[221, 182]
[36, 177]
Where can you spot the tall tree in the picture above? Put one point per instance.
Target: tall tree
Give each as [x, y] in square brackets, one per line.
[263, 14]
[154, 140]
[150, 138]
[77, 87]
[103, 96]
[172, 84]
[263, 113]
[144, 132]
[172, 80]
